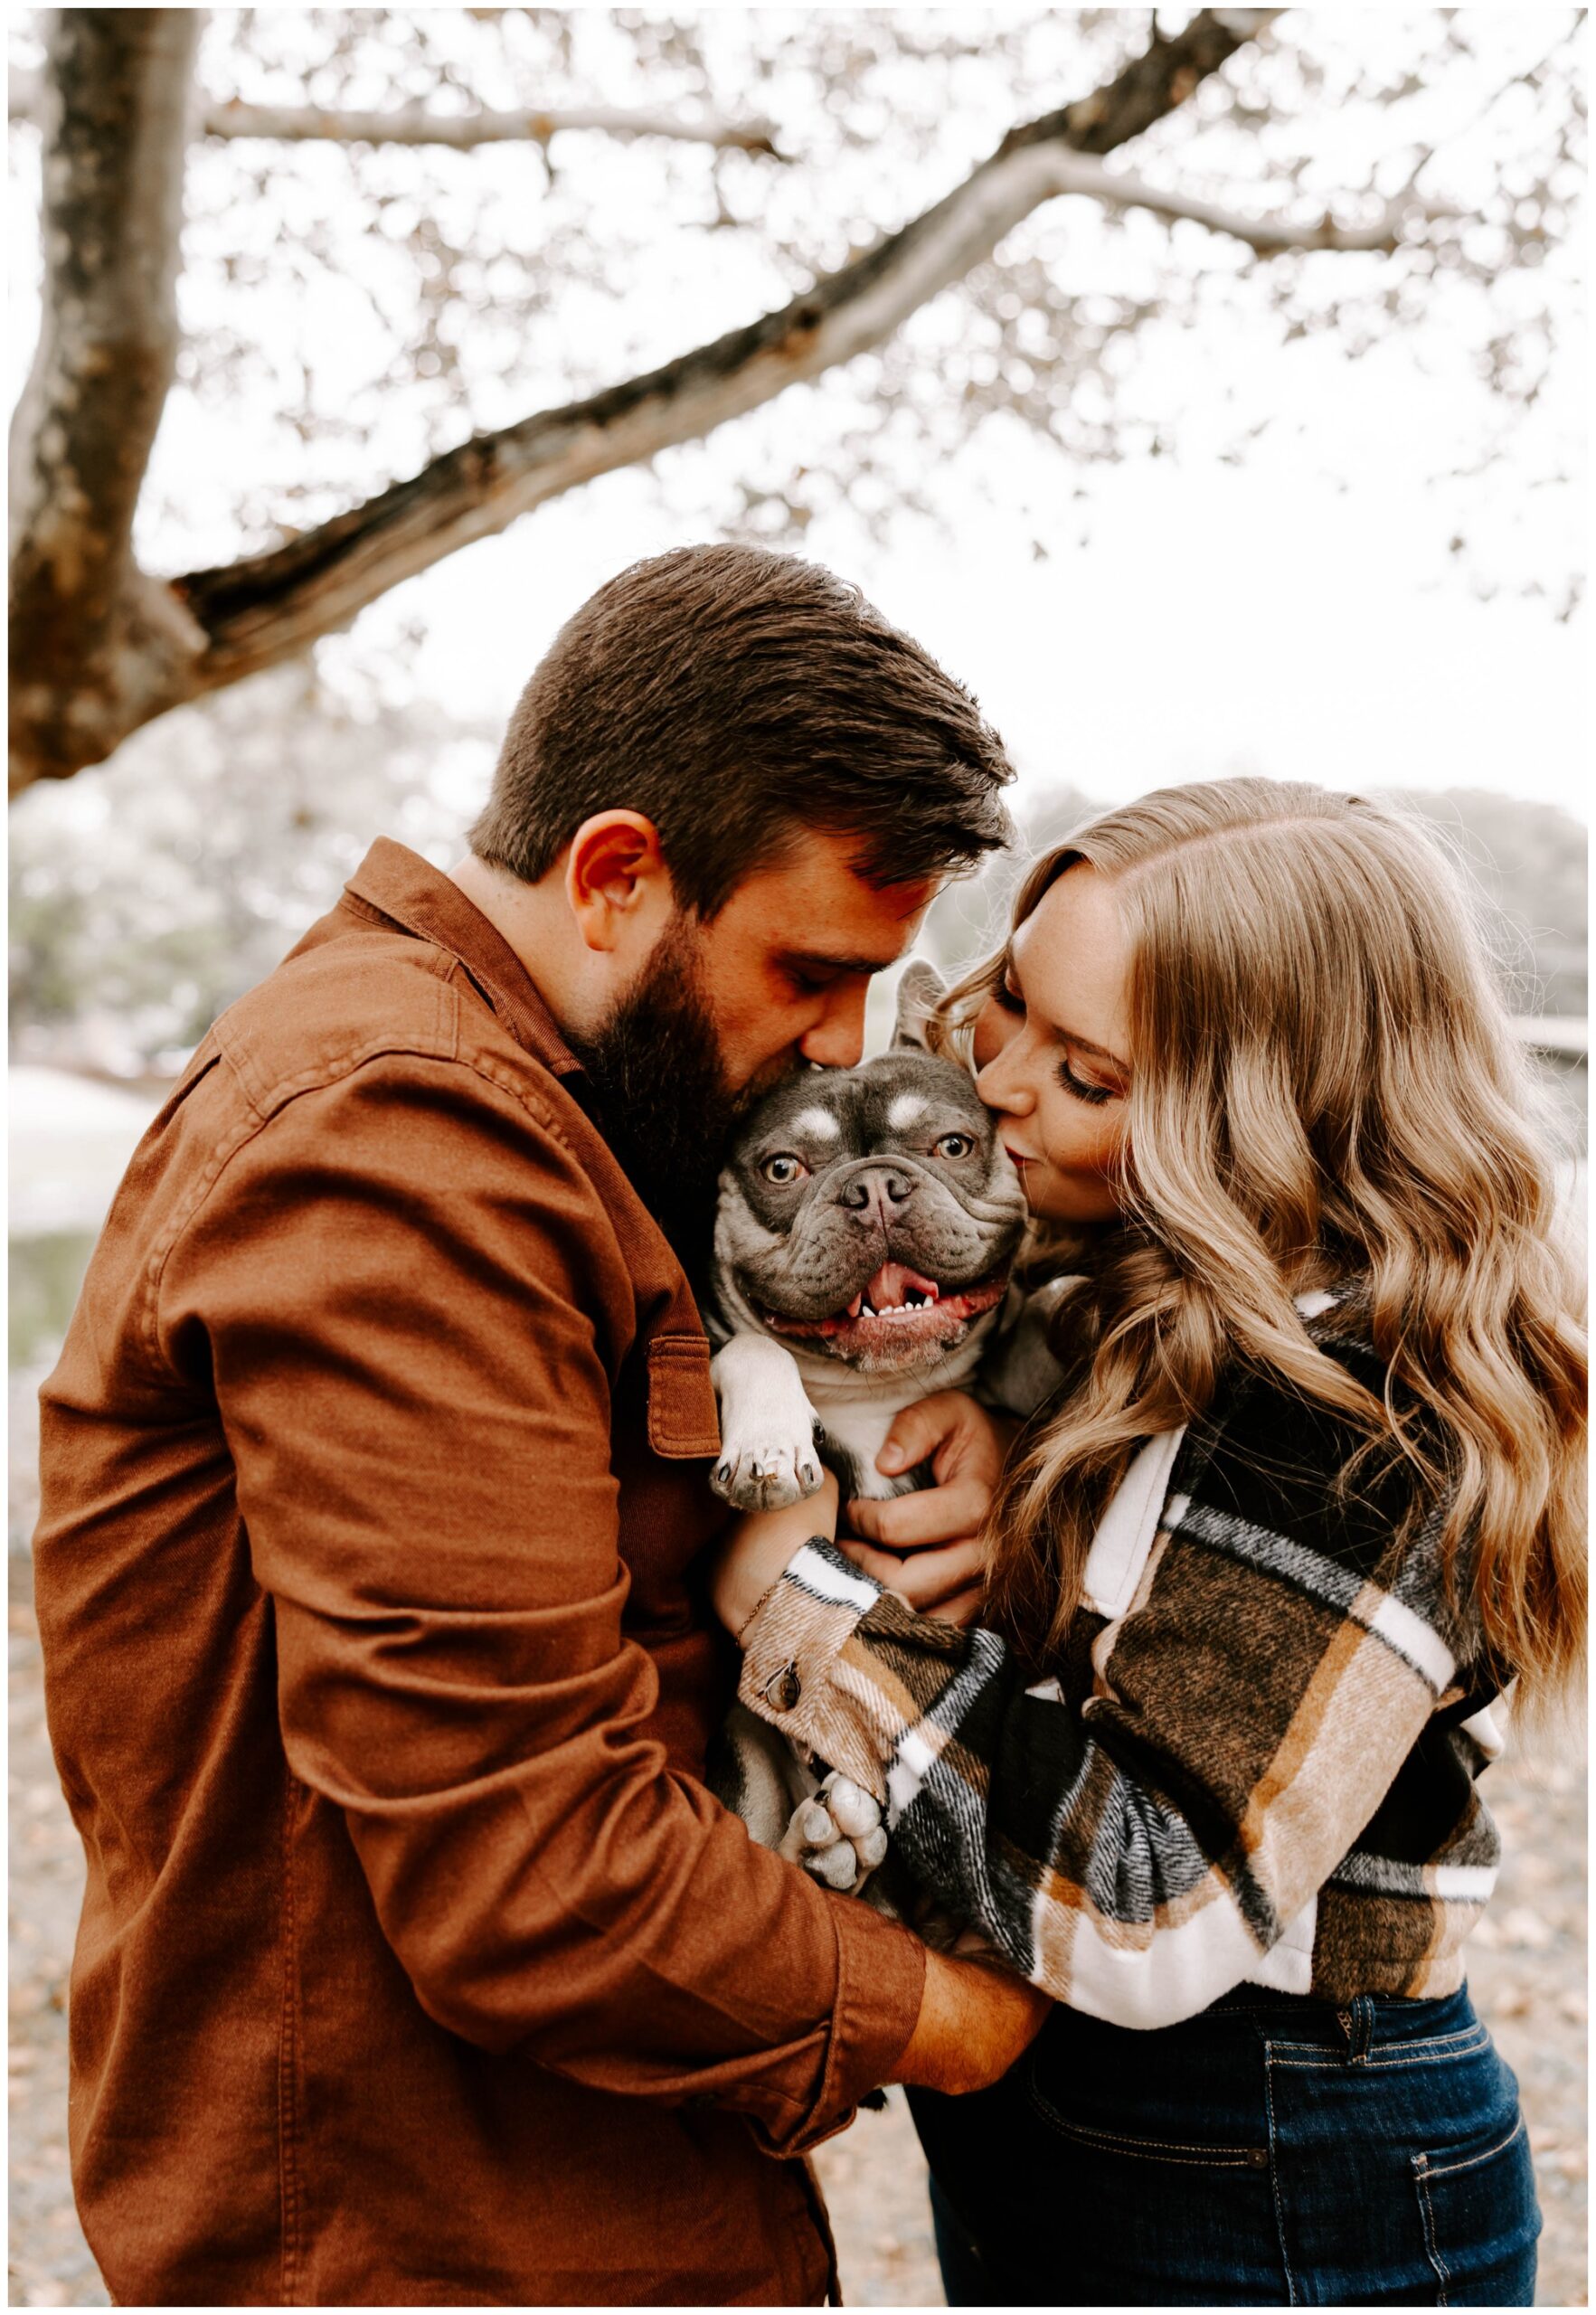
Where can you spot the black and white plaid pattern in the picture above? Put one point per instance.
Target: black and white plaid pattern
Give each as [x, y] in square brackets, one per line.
[1256, 1761]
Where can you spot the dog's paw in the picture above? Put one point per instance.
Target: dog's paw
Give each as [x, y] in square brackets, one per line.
[837, 1835]
[767, 1477]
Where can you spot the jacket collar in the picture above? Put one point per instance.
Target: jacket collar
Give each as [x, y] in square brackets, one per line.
[410, 891]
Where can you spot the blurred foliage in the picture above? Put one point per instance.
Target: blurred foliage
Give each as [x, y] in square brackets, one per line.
[143, 899]
[43, 1274]
[1530, 863]
[349, 310]
[1526, 863]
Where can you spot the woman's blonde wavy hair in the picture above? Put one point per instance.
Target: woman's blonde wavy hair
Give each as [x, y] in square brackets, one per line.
[1326, 1087]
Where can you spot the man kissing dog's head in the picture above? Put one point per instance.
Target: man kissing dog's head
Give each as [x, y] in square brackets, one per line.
[726, 798]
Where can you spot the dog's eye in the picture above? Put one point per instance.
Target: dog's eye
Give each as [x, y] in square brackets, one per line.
[784, 1170]
[955, 1145]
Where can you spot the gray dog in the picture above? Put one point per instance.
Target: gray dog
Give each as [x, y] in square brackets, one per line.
[868, 1219]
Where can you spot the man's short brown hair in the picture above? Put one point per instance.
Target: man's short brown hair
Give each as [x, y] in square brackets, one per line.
[737, 697]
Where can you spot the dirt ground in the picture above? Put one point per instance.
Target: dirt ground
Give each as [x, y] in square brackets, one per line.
[1528, 1975]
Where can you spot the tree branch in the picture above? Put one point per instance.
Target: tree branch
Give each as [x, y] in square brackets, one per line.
[213, 627]
[1268, 236]
[461, 132]
[95, 645]
[269, 606]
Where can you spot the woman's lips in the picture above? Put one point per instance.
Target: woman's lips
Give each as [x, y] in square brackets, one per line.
[1019, 1157]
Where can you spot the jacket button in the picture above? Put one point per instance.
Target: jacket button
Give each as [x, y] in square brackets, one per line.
[784, 1689]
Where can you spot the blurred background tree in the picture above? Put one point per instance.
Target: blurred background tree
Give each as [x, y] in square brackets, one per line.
[140, 910]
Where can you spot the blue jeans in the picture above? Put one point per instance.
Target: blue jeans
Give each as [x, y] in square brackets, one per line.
[1274, 2152]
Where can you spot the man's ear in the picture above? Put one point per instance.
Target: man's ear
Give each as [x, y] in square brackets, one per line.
[616, 878]
[918, 994]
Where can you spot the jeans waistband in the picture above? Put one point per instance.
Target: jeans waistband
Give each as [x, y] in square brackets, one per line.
[1251, 1996]
[1357, 2023]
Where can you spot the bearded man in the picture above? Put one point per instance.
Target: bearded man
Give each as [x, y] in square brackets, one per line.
[417, 1965]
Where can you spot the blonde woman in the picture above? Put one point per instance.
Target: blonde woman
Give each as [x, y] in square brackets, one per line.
[1305, 1502]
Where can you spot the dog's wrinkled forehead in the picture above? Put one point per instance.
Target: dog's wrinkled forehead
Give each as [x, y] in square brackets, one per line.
[902, 1103]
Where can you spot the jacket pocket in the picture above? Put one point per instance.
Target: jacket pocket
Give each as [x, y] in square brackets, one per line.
[683, 1422]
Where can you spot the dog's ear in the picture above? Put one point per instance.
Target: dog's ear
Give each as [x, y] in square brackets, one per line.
[918, 994]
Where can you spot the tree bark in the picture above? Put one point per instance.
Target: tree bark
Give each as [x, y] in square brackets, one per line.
[96, 647]
[232, 621]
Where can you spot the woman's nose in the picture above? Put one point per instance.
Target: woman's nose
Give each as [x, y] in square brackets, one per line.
[999, 1090]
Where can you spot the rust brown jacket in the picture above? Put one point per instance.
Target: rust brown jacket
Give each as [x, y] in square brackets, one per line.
[417, 1965]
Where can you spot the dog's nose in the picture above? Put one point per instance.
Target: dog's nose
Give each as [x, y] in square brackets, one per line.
[875, 1195]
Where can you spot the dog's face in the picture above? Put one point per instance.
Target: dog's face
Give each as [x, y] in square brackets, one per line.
[869, 1215]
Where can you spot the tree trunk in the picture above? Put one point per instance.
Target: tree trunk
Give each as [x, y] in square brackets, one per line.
[96, 647]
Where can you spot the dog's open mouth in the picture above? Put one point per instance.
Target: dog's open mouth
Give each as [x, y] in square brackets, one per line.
[898, 1312]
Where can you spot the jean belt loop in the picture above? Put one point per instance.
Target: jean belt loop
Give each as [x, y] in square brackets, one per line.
[1356, 2022]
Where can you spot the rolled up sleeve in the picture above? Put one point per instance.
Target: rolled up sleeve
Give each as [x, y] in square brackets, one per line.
[400, 1282]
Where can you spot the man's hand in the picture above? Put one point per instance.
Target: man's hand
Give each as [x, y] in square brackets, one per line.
[974, 2021]
[924, 1546]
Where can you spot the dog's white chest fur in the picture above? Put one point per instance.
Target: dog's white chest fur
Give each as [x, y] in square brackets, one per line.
[860, 1428]
[858, 1412]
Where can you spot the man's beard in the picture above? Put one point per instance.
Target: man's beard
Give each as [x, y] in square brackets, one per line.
[660, 1087]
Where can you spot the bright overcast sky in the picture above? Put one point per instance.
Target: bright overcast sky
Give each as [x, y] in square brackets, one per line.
[1231, 618]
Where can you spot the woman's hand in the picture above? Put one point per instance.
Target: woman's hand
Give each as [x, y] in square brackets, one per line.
[924, 1546]
[757, 1548]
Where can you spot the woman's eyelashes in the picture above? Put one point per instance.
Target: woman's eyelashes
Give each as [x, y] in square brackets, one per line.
[1010, 999]
[1082, 1090]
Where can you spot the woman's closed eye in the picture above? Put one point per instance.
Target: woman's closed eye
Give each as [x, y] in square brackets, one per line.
[1009, 998]
[1081, 1087]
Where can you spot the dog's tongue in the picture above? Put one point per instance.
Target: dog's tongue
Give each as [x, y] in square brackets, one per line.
[889, 1289]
